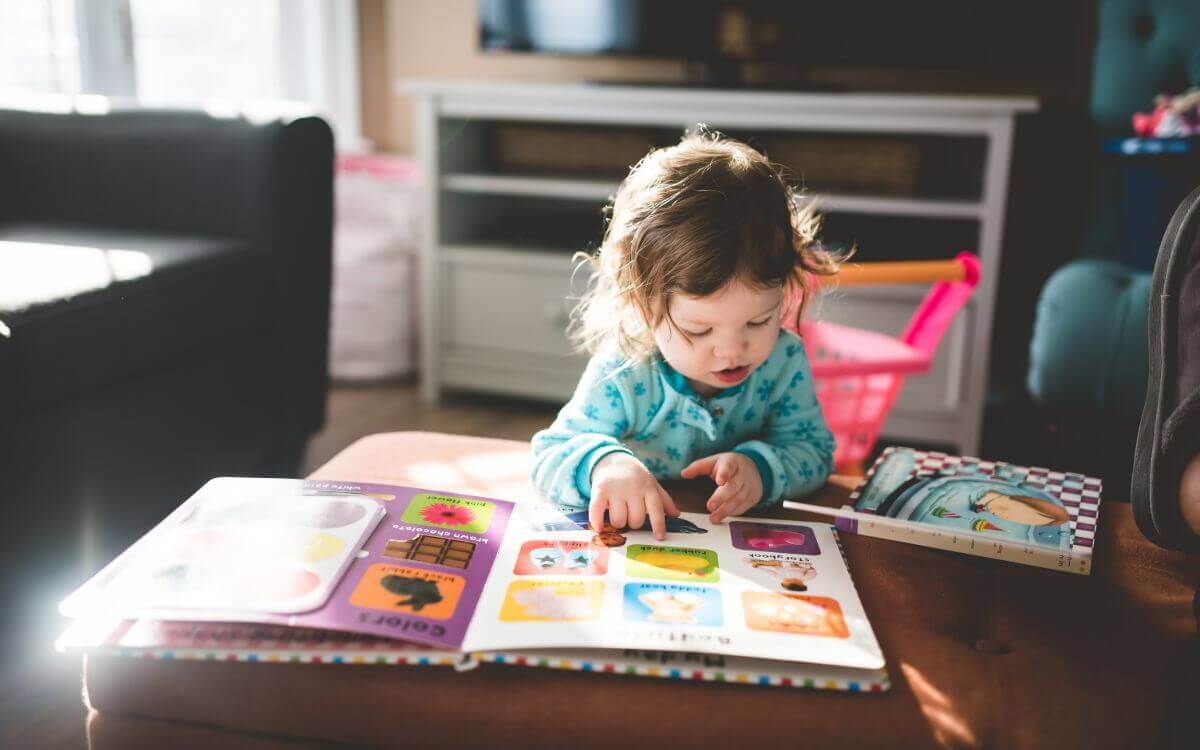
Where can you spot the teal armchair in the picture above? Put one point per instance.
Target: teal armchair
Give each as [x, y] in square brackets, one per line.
[1088, 352]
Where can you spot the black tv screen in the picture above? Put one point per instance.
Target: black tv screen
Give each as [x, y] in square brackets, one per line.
[1016, 37]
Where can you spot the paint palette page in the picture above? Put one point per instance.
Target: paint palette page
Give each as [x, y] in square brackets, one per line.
[244, 545]
[759, 589]
[395, 562]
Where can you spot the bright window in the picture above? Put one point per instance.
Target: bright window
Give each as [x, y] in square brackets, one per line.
[187, 52]
[39, 49]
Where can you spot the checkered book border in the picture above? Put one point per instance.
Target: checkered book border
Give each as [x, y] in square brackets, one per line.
[1079, 494]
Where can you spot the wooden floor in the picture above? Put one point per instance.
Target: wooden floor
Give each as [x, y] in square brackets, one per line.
[355, 412]
[40, 704]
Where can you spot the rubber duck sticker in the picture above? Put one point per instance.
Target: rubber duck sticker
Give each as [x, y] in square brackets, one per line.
[672, 563]
[1001, 505]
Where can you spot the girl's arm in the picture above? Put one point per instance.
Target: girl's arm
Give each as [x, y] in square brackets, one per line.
[586, 430]
[795, 453]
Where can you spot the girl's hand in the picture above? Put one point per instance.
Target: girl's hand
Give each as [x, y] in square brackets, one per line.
[739, 486]
[630, 493]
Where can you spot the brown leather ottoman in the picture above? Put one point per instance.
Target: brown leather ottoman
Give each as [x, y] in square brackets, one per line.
[981, 654]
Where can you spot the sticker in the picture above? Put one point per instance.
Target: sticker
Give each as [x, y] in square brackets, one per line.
[672, 563]
[543, 557]
[434, 550]
[402, 588]
[781, 571]
[773, 537]
[673, 604]
[552, 601]
[443, 511]
[794, 613]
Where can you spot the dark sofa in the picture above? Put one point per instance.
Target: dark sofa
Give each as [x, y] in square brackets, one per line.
[165, 281]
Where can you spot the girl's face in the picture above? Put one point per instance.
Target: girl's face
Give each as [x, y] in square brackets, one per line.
[732, 332]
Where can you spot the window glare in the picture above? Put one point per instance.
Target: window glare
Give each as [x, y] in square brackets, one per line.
[39, 51]
[187, 51]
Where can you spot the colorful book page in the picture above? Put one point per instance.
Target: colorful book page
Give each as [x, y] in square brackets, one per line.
[418, 576]
[747, 588]
[1055, 510]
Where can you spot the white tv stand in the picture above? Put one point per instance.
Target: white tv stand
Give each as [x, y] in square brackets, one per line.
[494, 302]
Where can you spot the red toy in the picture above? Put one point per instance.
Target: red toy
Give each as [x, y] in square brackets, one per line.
[1173, 117]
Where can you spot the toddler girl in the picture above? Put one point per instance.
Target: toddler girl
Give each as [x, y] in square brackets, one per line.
[706, 251]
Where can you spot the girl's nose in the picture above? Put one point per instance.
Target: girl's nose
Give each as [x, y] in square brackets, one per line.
[730, 347]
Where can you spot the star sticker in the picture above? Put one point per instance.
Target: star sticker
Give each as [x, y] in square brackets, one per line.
[546, 561]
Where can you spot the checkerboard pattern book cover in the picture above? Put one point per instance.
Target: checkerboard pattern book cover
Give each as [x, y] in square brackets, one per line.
[1023, 514]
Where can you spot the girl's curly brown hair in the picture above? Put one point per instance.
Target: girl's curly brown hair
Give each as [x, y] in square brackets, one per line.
[688, 219]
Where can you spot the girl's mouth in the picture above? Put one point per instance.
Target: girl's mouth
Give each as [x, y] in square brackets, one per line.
[732, 374]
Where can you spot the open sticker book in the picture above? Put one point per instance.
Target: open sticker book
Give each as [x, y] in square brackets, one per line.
[459, 574]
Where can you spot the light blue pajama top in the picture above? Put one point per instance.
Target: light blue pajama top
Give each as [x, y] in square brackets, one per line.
[649, 410]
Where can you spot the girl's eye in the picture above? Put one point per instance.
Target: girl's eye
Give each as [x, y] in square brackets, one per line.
[699, 334]
[759, 323]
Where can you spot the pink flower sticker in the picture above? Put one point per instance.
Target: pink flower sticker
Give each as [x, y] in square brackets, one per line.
[464, 514]
[447, 515]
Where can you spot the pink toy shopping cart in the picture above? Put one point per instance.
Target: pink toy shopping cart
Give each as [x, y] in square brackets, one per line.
[858, 373]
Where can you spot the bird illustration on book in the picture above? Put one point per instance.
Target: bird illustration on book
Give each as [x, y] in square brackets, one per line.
[419, 592]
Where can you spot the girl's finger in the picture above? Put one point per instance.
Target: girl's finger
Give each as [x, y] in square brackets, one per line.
[654, 509]
[718, 514]
[596, 512]
[724, 494]
[668, 504]
[701, 467]
[728, 507]
[636, 510]
[726, 470]
[616, 513]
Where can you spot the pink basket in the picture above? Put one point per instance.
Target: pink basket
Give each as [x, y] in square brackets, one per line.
[857, 374]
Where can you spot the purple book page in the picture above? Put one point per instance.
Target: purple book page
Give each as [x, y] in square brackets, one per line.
[420, 573]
